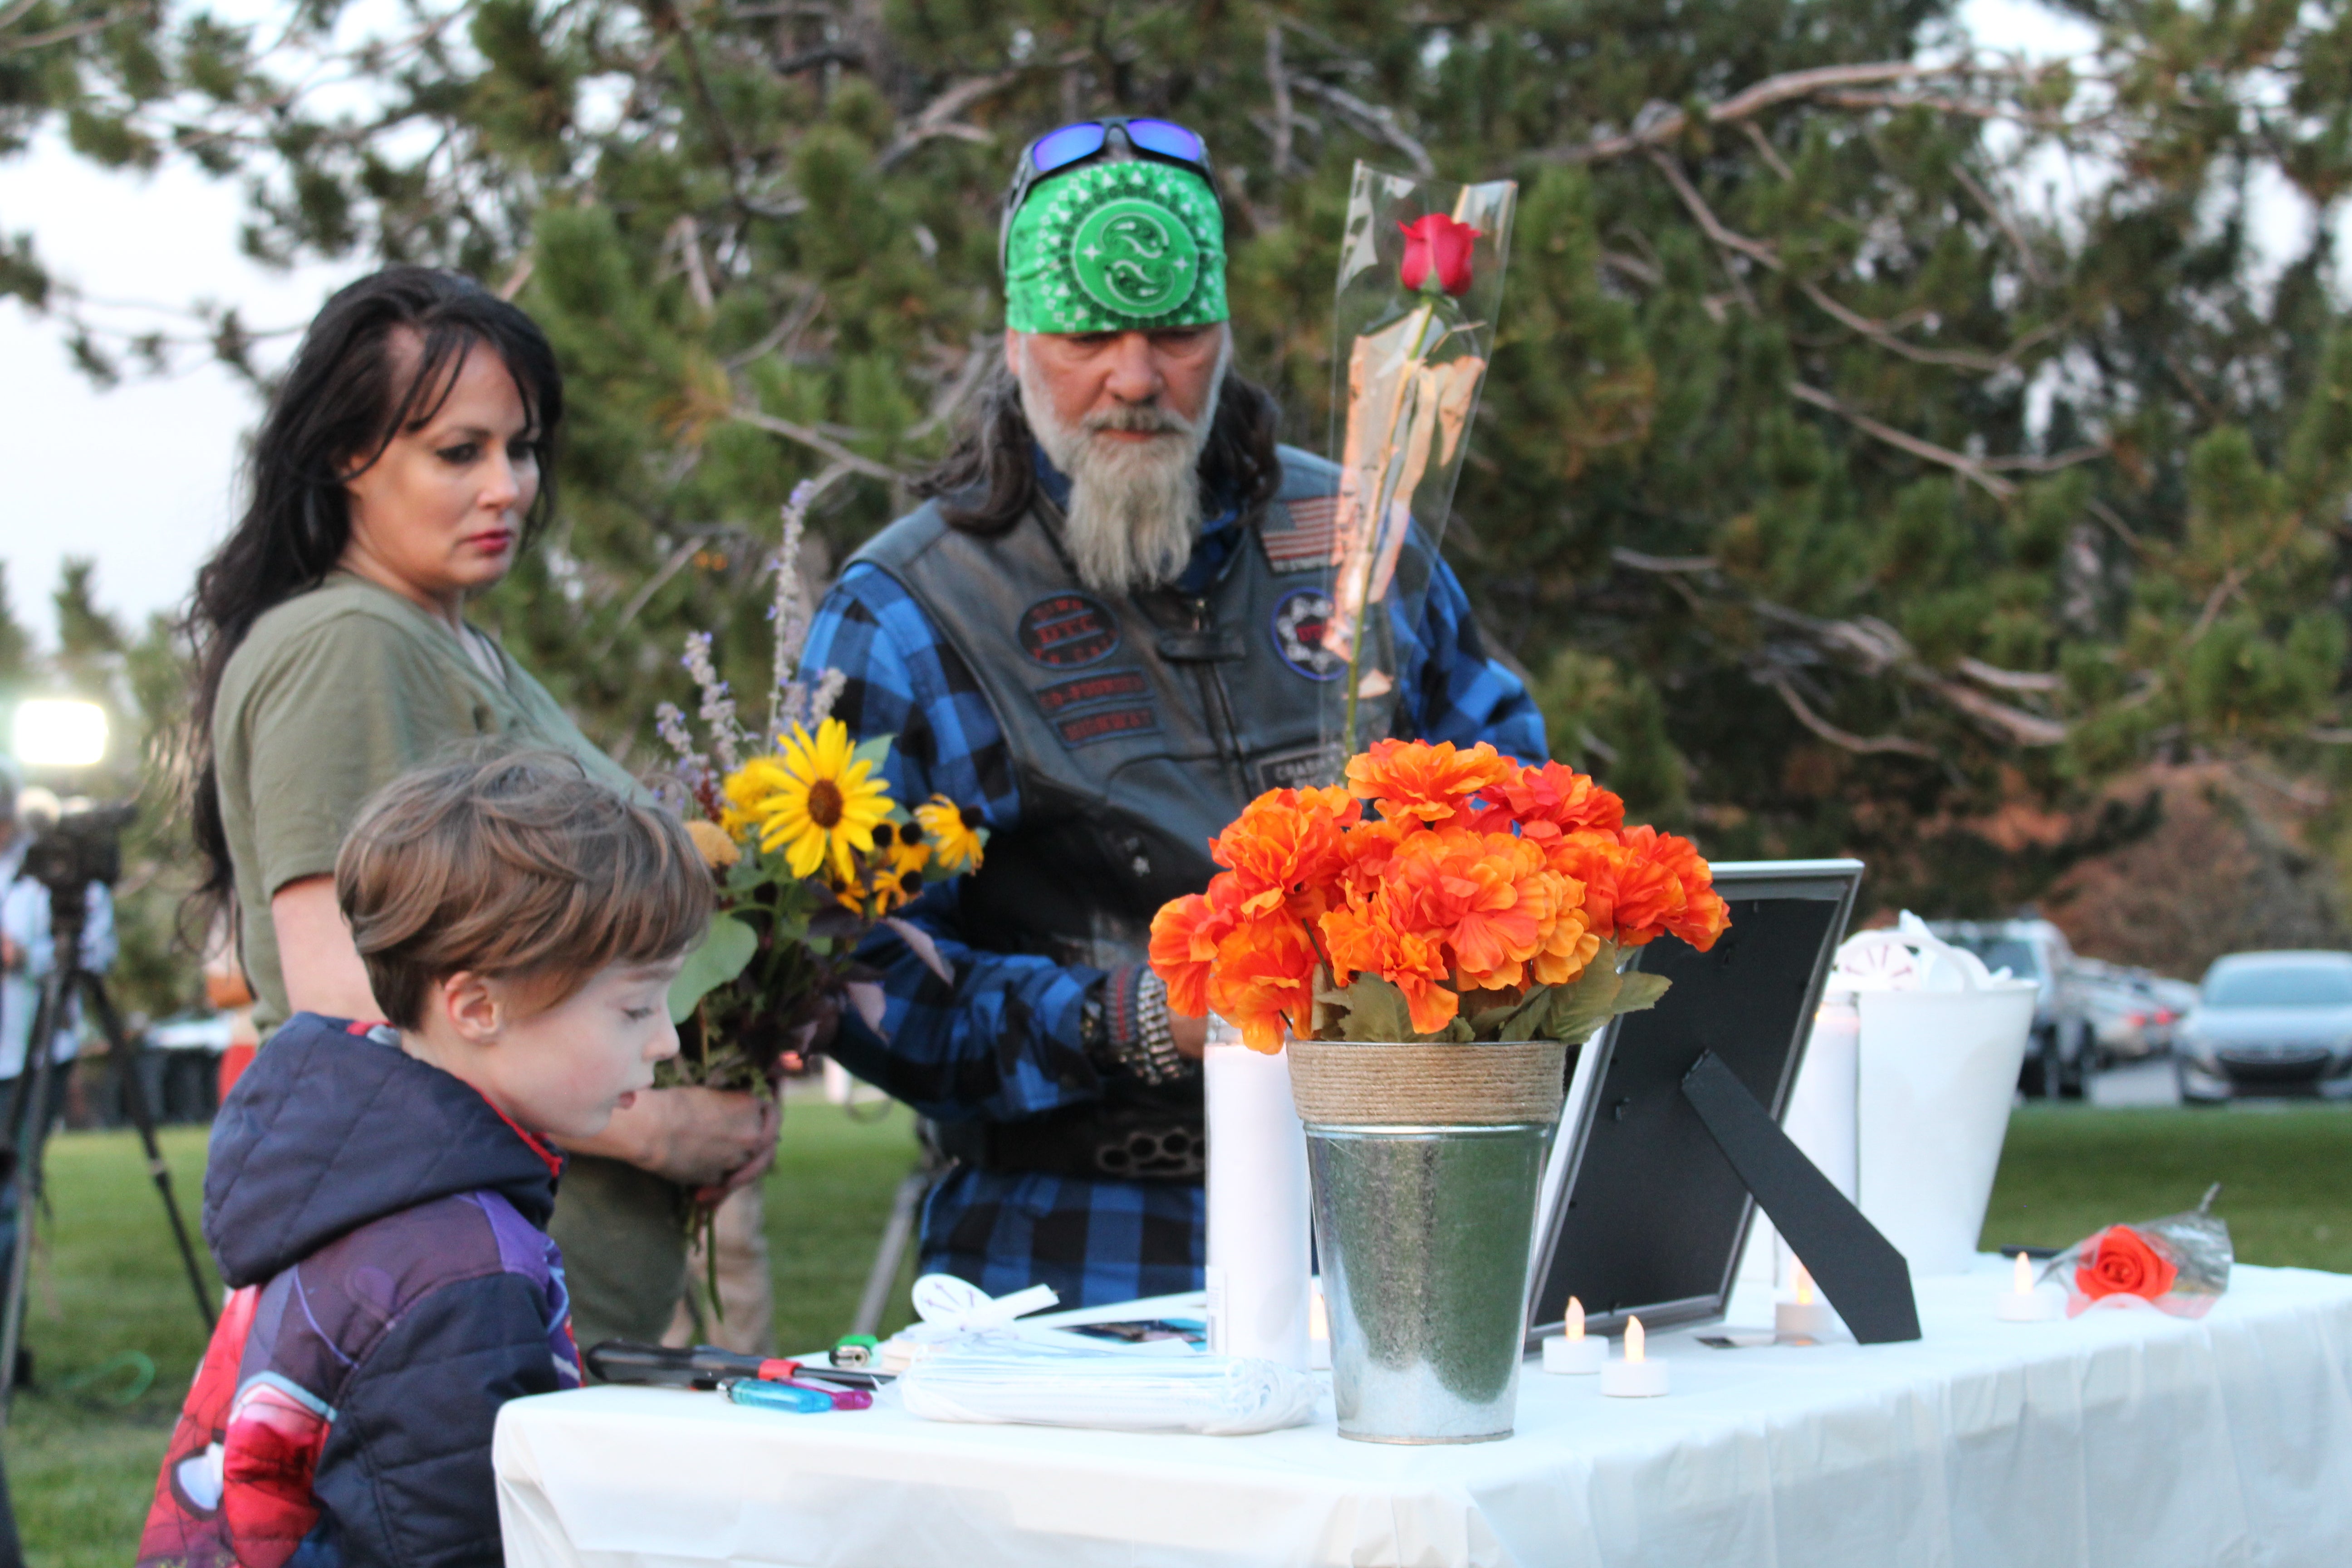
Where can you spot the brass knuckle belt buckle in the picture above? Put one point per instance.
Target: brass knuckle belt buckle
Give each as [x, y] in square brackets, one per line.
[1153, 1151]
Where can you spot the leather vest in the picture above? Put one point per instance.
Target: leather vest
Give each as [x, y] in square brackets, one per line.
[1138, 726]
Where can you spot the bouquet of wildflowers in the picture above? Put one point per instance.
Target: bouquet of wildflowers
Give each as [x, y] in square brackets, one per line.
[1486, 902]
[808, 849]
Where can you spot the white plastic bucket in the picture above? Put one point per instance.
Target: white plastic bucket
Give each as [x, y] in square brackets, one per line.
[1936, 1074]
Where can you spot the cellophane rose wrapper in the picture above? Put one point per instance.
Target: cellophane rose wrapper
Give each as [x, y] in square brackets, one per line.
[1419, 284]
[2180, 1265]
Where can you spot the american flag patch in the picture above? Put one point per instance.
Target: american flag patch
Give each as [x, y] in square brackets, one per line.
[1305, 544]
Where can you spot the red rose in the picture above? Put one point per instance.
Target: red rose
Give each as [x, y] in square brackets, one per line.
[1435, 246]
[2120, 1262]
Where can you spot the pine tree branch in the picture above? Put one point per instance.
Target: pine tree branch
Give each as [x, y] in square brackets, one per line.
[1877, 649]
[1883, 333]
[1766, 150]
[938, 117]
[2027, 463]
[1866, 746]
[1660, 564]
[1663, 128]
[2025, 729]
[1714, 227]
[816, 441]
[1993, 209]
[31, 41]
[2008, 679]
[1278, 81]
[1967, 468]
[1373, 120]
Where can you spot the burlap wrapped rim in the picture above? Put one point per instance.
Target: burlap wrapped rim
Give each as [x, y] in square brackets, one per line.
[1353, 1083]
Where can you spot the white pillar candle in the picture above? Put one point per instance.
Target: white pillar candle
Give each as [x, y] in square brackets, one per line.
[1636, 1376]
[1572, 1352]
[2021, 1303]
[1257, 1202]
[1803, 1318]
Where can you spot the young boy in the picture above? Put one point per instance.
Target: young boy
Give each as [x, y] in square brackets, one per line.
[378, 1193]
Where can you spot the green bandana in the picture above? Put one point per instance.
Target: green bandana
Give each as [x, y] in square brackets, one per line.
[1118, 247]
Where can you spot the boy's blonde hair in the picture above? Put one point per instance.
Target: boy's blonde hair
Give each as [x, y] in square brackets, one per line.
[519, 867]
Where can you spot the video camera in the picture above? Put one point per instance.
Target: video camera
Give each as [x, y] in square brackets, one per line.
[74, 845]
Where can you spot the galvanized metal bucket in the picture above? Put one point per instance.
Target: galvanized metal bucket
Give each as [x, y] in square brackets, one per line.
[1426, 1161]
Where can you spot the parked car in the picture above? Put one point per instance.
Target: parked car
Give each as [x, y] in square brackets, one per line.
[2059, 1053]
[2132, 1012]
[2269, 1021]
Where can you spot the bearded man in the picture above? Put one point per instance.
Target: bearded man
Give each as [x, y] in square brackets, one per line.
[1099, 638]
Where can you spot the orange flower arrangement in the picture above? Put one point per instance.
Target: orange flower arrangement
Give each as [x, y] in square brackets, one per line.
[1485, 901]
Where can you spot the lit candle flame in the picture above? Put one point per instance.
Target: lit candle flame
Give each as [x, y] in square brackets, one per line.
[2024, 1276]
[1575, 1319]
[1634, 1337]
[1804, 1287]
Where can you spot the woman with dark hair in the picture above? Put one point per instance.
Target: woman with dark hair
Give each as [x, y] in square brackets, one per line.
[402, 465]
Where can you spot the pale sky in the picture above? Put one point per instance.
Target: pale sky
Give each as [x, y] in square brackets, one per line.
[143, 477]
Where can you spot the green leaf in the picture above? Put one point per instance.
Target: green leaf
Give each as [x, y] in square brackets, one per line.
[1530, 1020]
[720, 956]
[1371, 1008]
[874, 751]
[1597, 996]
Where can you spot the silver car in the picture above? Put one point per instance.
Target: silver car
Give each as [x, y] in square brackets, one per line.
[2275, 1021]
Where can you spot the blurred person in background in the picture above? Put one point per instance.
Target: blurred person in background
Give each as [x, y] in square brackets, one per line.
[26, 958]
[403, 466]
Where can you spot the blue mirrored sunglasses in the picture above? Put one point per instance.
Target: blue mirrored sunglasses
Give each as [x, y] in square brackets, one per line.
[1071, 143]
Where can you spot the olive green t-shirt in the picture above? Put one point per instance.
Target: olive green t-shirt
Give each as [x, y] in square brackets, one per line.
[332, 695]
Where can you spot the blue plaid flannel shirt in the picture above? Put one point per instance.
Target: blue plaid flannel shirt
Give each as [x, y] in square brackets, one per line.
[1003, 1043]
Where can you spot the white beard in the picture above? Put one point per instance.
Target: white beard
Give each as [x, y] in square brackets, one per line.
[1135, 506]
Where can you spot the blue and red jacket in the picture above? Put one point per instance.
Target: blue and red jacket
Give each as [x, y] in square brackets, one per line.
[381, 1226]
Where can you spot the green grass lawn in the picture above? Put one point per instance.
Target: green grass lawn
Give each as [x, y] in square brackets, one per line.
[108, 1298]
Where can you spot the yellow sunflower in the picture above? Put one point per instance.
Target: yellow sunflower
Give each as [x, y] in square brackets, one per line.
[955, 846]
[814, 799]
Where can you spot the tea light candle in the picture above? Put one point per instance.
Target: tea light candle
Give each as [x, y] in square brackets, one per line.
[1569, 1351]
[1636, 1376]
[1803, 1318]
[2022, 1304]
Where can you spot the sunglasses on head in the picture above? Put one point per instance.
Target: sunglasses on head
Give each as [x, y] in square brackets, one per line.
[1077, 142]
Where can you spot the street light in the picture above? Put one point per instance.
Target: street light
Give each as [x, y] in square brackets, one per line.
[59, 733]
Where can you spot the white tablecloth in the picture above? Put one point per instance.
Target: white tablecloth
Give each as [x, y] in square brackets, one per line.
[2123, 1438]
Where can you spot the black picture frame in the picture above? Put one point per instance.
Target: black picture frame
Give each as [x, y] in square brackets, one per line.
[1642, 1215]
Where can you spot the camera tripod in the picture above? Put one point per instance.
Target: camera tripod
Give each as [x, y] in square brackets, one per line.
[22, 1145]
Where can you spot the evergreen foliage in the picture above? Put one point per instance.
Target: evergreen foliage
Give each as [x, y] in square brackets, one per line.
[1879, 436]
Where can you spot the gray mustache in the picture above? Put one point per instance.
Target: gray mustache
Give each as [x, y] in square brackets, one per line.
[1140, 419]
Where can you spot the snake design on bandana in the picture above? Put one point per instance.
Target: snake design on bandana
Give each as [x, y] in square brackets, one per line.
[1117, 247]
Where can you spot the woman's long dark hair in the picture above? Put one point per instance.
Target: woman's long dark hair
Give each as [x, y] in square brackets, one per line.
[342, 402]
[987, 481]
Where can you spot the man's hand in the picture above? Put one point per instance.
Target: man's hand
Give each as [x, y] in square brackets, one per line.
[1191, 1035]
[695, 1137]
[12, 957]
